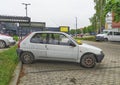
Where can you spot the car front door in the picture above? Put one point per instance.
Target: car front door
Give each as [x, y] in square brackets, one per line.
[110, 36]
[59, 48]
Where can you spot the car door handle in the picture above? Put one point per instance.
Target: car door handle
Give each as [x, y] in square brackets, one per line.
[46, 47]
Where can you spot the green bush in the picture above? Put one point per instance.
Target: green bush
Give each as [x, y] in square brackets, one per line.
[8, 62]
[89, 38]
[15, 37]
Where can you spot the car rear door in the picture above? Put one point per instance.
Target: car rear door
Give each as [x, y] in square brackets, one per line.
[38, 45]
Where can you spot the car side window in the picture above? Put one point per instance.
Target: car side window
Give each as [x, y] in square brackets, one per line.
[64, 40]
[53, 39]
[110, 33]
[117, 33]
[59, 39]
[39, 38]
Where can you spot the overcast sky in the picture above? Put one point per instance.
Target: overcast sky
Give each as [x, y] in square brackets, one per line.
[54, 12]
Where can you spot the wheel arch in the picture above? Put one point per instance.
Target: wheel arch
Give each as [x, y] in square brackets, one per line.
[106, 39]
[85, 63]
[26, 60]
[27, 52]
[88, 53]
[4, 42]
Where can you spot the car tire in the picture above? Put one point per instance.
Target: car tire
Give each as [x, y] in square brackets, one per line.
[27, 58]
[88, 61]
[106, 40]
[2, 44]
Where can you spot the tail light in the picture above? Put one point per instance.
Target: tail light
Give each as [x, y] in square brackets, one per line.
[19, 43]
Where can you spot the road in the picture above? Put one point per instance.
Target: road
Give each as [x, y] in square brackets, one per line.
[64, 73]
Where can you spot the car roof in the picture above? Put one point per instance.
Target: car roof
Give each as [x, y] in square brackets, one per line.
[48, 32]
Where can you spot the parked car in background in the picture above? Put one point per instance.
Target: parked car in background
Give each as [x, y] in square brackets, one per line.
[57, 46]
[108, 35]
[6, 41]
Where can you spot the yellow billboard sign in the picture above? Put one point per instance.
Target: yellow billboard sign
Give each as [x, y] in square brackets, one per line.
[64, 28]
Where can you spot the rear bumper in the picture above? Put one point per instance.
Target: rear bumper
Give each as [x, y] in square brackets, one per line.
[19, 51]
[100, 57]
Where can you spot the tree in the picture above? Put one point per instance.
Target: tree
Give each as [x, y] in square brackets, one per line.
[94, 23]
[85, 30]
[98, 20]
[90, 29]
[78, 31]
[72, 31]
[114, 7]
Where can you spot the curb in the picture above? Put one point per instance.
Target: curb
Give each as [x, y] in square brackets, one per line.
[15, 75]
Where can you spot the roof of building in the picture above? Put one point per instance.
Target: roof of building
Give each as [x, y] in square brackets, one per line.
[115, 25]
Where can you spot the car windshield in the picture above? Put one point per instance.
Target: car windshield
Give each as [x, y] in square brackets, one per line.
[104, 32]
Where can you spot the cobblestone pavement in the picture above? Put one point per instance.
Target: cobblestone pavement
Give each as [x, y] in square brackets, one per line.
[64, 73]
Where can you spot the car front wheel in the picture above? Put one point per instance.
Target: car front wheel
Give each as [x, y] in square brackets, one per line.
[106, 40]
[27, 57]
[88, 61]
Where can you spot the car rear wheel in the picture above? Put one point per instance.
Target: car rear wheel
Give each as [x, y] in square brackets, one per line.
[27, 57]
[88, 61]
[2, 44]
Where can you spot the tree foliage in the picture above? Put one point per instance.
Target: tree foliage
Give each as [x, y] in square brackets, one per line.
[73, 31]
[98, 19]
[84, 30]
[114, 7]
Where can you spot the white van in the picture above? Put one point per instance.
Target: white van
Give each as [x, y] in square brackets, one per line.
[108, 35]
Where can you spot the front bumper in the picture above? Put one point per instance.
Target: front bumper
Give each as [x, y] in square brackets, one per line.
[100, 57]
[12, 42]
[99, 38]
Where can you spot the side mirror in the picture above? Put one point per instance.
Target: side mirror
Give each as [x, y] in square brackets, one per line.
[72, 44]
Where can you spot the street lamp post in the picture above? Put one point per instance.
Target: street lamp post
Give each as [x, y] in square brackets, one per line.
[26, 4]
[26, 7]
[76, 27]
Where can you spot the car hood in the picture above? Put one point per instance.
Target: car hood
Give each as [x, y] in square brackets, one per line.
[89, 48]
[5, 36]
[100, 34]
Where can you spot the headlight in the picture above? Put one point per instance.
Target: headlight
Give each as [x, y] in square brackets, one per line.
[102, 52]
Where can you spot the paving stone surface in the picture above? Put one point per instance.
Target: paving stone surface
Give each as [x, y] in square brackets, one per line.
[64, 73]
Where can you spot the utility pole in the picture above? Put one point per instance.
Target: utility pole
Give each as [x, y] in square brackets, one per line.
[76, 27]
[26, 4]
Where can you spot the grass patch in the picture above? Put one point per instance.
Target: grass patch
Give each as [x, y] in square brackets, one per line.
[8, 62]
[89, 38]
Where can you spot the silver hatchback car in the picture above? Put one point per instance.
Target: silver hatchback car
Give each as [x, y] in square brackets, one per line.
[60, 46]
[6, 41]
